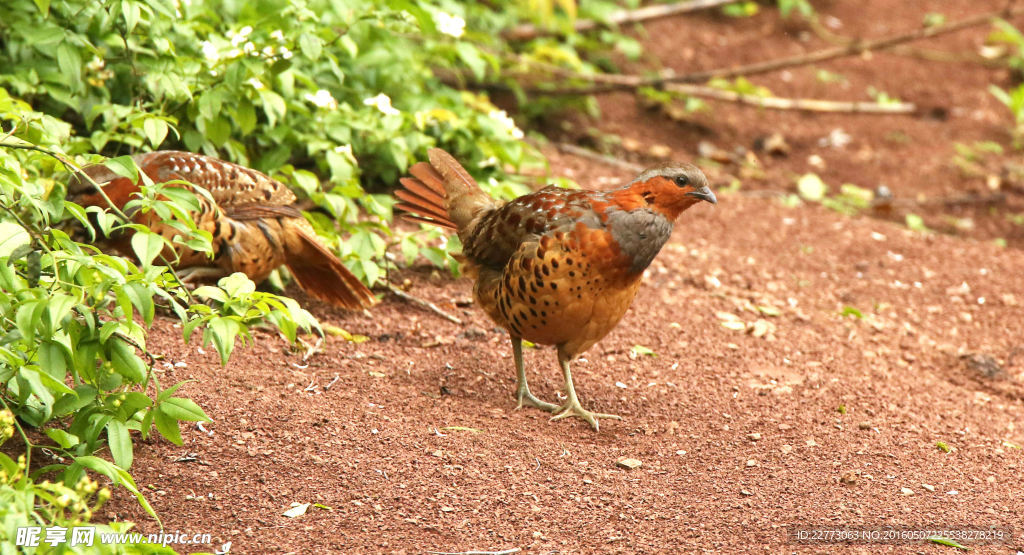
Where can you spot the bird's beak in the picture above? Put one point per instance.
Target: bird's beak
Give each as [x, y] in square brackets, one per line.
[704, 194]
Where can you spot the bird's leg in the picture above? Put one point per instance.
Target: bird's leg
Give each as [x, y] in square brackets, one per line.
[572, 406]
[523, 394]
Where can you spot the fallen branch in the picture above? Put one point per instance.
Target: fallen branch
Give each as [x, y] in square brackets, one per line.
[569, 148]
[606, 83]
[502, 552]
[802, 104]
[423, 303]
[647, 13]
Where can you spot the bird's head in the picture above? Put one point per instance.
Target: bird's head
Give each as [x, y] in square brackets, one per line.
[673, 188]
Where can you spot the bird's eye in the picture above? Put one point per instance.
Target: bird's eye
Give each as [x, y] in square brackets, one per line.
[682, 180]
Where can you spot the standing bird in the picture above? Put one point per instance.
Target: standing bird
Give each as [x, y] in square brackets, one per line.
[252, 218]
[554, 267]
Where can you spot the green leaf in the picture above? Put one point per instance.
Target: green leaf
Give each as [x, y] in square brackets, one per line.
[120, 442]
[180, 408]
[155, 130]
[470, 55]
[947, 542]
[167, 426]
[123, 166]
[141, 297]
[125, 361]
[52, 359]
[311, 46]
[147, 246]
[12, 236]
[58, 306]
[44, 7]
[222, 331]
[130, 11]
[82, 396]
[62, 438]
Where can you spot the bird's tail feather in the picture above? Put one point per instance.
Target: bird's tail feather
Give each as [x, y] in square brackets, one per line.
[322, 275]
[442, 193]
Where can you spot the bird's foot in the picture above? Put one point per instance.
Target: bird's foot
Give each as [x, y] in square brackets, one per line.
[526, 398]
[572, 407]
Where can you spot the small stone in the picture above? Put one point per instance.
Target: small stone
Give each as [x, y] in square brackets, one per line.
[752, 462]
[928, 487]
[754, 436]
[906, 491]
[745, 492]
[629, 463]
[864, 425]
[786, 449]
[811, 442]
[438, 453]
[849, 478]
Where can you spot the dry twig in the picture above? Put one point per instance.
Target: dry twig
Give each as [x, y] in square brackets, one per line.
[423, 303]
[646, 13]
[611, 83]
[802, 104]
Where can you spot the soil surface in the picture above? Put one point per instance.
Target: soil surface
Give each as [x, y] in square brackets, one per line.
[805, 367]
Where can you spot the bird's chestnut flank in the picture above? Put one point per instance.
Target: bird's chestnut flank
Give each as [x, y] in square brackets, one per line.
[555, 267]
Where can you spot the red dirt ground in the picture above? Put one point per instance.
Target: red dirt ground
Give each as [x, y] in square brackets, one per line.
[810, 417]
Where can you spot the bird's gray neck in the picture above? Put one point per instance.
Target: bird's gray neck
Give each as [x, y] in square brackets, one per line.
[640, 234]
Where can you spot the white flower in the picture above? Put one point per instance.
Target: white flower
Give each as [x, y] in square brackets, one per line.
[451, 25]
[255, 83]
[268, 51]
[278, 35]
[383, 103]
[249, 48]
[241, 36]
[233, 53]
[210, 51]
[285, 53]
[323, 99]
[508, 123]
[96, 64]
[344, 149]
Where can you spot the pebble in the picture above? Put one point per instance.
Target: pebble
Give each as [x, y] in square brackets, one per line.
[629, 463]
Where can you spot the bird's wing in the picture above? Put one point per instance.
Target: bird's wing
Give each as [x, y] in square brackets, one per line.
[499, 233]
[228, 184]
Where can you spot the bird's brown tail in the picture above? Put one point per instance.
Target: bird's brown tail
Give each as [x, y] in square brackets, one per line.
[320, 274]
[442, 193]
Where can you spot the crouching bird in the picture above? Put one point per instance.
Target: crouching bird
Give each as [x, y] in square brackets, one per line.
[555, 267]
[252, 218]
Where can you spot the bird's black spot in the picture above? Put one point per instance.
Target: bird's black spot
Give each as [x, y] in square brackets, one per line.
[522, 284]
[568, 261]
[533, 300]
[554, 264]
[554, 286]
[572, 273]
[267, 194]
[533, 312]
